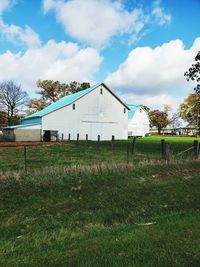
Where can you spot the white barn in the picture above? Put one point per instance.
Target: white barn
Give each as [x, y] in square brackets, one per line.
[92, 112]
[138, 121]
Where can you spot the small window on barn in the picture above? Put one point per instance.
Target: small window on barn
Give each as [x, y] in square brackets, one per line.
[124, 110]
[73, 106]
[101, 91]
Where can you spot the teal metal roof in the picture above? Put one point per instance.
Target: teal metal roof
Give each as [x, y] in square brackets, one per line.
[35, 120]
[21, 125]
[66, 100]
[132, 110]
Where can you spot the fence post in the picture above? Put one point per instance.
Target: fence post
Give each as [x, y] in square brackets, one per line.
[62, 136]
[196, 149]
[86, 137]
[166, 152]
[25, 160]
[113, 142]
[69, 137]
[162, 147]
[128, 151]
[133, 145]
[99, 138]
[77, 137]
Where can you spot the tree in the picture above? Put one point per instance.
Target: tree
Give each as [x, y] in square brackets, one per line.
[36, 105]
[175, 121]
[12, 97]
[189, 110]
[194, 73]
[54, 90]
[159, 119]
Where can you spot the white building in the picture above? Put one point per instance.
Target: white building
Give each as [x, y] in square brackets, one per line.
[138, 121]
[90, 113]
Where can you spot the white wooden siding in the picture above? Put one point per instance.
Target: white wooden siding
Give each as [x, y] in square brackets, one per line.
[95, 114]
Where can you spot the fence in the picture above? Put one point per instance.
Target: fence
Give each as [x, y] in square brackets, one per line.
[77, 152]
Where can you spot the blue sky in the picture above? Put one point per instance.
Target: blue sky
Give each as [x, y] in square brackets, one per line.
[139, 48]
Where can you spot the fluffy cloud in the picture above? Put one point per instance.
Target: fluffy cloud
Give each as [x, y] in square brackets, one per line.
[57, 61]
[155, 71]
[16, 34]
[94, 22]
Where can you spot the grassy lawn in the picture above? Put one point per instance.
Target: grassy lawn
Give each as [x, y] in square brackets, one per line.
[145, 213]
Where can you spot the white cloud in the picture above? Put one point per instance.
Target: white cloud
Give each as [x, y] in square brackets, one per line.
[18, 35]
[155, 101]
[56, 61]
[155, 71]
[4, 4]
[15, 34]
[159, 14]
[94, 22]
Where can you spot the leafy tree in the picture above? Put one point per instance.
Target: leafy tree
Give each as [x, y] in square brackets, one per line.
[159, 119]
[12, 97]
[189, 110]
[194, 73]
[52, 91]
[37, 105]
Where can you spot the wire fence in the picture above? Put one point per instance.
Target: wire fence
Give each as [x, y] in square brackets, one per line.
[28, 158]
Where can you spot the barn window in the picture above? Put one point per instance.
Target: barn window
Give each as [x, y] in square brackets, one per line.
[73, 106]
[101, 91]
[124, 110]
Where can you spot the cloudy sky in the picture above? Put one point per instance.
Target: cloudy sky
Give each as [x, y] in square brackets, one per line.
[139, 48]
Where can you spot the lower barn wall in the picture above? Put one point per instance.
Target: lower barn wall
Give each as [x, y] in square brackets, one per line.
[27, 135]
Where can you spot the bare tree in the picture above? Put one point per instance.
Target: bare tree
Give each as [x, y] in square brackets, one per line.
[11, 98]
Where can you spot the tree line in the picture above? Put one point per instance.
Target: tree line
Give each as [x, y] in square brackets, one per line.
[15, 103]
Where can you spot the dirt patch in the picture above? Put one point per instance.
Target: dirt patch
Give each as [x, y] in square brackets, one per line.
[21, 144]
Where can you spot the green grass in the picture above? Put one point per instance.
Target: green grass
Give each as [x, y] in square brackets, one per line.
[83, 213]
[82, 153]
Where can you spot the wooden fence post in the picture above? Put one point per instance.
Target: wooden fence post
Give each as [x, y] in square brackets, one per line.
[86, 137]
[77, 137]
[62, 136]
[25, 160]
[113, 142]
[69, 137]
[162, 147]
[99, 138]
[133, 145]
[166, 152]
[196, 149]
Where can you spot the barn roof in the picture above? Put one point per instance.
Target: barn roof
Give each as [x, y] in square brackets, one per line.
[21, 125]
[69, 99]
[132, 110]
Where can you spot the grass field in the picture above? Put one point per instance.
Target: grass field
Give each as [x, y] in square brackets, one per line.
[144, 213]
[84, 153]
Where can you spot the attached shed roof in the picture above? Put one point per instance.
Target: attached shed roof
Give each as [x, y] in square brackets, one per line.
[69, 99]
[21, 125]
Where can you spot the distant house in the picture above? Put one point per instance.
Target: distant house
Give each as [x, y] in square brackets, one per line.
[90, 113]
[138, 121]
